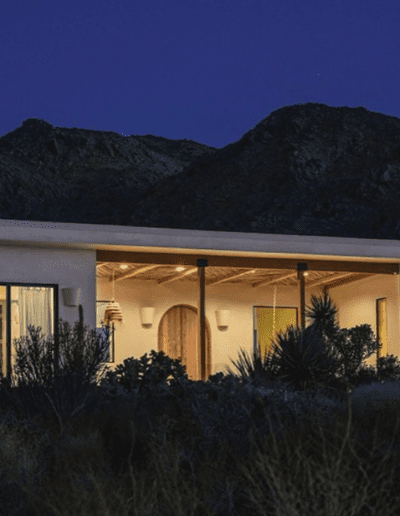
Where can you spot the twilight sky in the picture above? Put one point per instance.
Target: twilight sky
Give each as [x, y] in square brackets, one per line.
[204, 70]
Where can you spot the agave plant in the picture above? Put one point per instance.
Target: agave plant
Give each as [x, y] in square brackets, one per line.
[318, 356]
[353, 346]
[299, 361]
[302, 358]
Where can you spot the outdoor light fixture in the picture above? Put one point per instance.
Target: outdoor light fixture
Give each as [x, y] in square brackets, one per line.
[147, 316]
[71, 296]
[222, 319]
[113, 312]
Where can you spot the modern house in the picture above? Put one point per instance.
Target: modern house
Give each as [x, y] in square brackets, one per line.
[198, 295]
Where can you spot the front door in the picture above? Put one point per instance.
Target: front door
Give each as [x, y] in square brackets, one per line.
[178, 338]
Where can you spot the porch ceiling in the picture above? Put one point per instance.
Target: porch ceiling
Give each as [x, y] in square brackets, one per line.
[249, 277]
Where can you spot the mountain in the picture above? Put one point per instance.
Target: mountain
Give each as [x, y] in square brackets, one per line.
[79, 175]
[305, 169]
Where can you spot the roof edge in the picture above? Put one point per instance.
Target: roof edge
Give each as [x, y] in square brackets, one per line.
[99, 236]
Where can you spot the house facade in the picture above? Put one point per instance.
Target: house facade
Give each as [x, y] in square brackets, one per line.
[200, 296]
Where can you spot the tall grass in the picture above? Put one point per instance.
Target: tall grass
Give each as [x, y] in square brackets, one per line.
[345, 465]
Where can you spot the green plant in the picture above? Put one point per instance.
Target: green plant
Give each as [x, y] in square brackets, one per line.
[303, 360]
[207, 451]
[322, 355]
[139, 373]
[82, 353]
[353, 346]
[36, 389]
[389, 367]
[300, 359]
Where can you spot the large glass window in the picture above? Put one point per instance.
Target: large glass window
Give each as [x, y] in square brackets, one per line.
[29, 305]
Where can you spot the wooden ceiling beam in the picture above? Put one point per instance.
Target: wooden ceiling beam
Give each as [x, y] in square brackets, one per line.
[130, 274]
[336, 282]
[178, 276]
[230, 277]
[274, 280]
[321, 281]
[241, 262]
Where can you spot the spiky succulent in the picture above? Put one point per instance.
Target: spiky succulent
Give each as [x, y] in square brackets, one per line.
[318, 356]
[302, 358]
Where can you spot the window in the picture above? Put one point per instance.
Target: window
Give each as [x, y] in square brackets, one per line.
[22, 305]
[266, 328]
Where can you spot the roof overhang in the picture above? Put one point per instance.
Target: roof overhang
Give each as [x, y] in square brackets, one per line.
[166, 248]
[185, 241]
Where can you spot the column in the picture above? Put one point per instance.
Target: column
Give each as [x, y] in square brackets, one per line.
[301, 267]
[201, 264]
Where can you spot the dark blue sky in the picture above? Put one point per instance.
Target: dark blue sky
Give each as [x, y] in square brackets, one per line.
[205, 70]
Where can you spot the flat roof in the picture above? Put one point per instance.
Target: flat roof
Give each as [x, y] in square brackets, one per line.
[187, 241]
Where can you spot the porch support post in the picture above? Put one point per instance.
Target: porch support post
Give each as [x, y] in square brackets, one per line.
[8, 333]
[301, 267]
[201, 263]
[56, 332]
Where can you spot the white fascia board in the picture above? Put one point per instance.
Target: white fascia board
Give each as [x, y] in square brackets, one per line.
[99, 236]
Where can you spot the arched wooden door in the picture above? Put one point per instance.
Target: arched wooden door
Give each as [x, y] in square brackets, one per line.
[178, 338]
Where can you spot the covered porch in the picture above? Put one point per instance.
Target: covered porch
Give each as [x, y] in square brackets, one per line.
[204, 307]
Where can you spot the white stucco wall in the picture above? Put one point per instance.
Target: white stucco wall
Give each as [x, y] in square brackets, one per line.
[357, 306]
[65, 267]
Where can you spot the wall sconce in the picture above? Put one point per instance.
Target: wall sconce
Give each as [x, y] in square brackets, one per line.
[222, 319]
[147, 316]
[72, 296]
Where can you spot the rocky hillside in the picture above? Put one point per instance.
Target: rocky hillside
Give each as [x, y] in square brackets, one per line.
[79, 175]
[305, 169]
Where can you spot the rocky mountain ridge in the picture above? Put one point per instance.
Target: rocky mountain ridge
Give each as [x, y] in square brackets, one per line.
[305, 169]
[80, 175]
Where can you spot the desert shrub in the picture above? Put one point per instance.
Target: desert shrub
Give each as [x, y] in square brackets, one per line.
[82, 352]
[226, 414]
[198, 416]
[375, 428]
[119, 425]
[388, 368]
[144, 373]
[37, 389]
[321, 357]
[368, 398]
